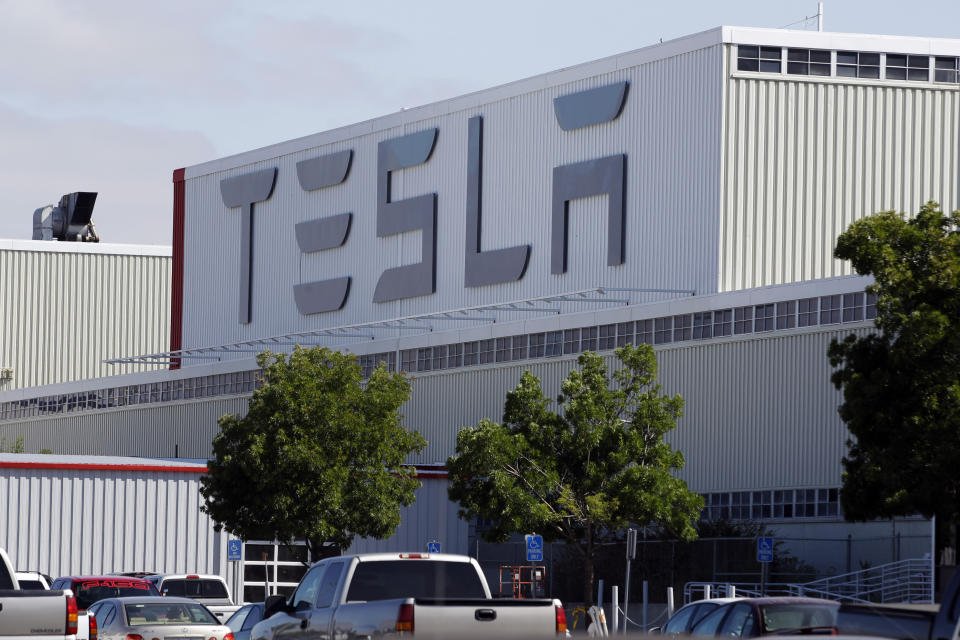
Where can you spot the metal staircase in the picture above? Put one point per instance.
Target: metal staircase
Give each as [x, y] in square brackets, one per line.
[901, 581]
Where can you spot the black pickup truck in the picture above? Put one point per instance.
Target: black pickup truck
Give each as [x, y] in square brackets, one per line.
[904, 622]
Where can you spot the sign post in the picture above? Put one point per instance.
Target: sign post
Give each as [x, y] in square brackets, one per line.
[234, 554]
[631, 554]
[764, 557]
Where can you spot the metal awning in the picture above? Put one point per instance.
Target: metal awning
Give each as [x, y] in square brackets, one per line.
[573, 302]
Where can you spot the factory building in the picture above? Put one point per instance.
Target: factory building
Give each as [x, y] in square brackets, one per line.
[687, 195]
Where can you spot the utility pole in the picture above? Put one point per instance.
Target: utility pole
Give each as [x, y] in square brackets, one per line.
[631, 554]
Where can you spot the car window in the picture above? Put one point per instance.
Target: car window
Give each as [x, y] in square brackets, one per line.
[784, 617]
[739, 622]
[388, 579]
[194, 588]
[328, 586]
[57, 584]
[701, 612]
[678, 623]
[235, 622]
[709, 625]
[90, 591]
[256, 615]
[31, 585]
[306, 592]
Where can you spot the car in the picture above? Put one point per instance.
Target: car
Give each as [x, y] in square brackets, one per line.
[157, 617]
[90, 589]
[33, 580]
[243, 620]
[752, 617]
[211, 590]
[690, 614]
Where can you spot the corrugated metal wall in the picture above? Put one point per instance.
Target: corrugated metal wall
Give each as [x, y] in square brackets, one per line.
[760, 412]
[65, 312]
[804, 158]
[670, 130]
[431, 517]
[65, 522]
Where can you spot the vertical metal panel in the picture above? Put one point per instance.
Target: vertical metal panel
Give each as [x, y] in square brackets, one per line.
[670, 130]
[65, 312]
[65, 522]
[804, 158]
[431, 517]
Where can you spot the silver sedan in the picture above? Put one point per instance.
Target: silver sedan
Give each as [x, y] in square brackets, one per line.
[157, 618]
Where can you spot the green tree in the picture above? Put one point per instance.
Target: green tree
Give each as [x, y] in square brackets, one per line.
[584, 474]
[901, 384]
[319, 456]
[14, 447]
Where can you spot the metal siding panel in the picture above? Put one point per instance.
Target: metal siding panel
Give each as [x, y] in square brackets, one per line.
[803, 159]
[670, 129]
[70, 311]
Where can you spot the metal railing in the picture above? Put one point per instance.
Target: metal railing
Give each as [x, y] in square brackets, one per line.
[902, 581]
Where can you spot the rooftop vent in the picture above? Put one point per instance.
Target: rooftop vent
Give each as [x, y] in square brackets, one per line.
[69, 221]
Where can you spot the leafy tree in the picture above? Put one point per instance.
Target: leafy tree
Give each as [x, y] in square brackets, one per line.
[901, 384]
[584, 474]
[319, 456]
[14, 447]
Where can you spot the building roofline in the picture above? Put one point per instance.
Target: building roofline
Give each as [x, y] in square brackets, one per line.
[54, 462]
[51, 246]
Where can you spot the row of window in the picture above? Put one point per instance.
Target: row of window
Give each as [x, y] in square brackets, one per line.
[848, 64]
[773, 504]
[787, 314]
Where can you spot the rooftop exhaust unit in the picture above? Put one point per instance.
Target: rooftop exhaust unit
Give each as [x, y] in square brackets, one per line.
[69, 221]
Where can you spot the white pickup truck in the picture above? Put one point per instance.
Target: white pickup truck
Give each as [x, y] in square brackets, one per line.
[425, 595]
[34, 615]
[209, 590]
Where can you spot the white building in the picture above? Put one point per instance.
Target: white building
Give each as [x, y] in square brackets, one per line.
[687, 195]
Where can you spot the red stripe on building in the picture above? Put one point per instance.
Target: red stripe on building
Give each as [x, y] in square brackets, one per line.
[79, 466]
[176, 302]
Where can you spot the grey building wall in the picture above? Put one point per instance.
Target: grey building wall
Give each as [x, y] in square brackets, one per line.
[68, 306]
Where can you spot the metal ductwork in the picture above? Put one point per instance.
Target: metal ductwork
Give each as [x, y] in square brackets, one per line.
[69, 221]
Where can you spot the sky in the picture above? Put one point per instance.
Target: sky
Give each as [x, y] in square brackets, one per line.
[112, 95]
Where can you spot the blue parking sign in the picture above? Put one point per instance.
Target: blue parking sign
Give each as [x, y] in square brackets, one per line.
[534, 548]
[234, 548]
[433, 546]
[765, 549]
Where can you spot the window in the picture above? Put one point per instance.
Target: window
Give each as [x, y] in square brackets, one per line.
[827, 502]
[440, 358]
[408, 360]
[504, 349]
[830, 311]
[519, 346]
[946, 70]
[754, 58]
[471, 353]
[554, 343]
[625, 334]
[681, 328]
[763, 317]
[743, 320]
[702, 325]
[856, 64]
[424, 359]
[787, 314]
[808, 62]
[902, 67]
[807, 310]
[537, 344]
[806, 503]
[391, 579]
[740, 505]
[588, 339]
[783, 504]
[852, 307]
[644, 332]
[760, 506]
[487, 348]
[608, 337]
[871, 310]
[571, 341]
[722, 322]
[663, 328]
[328, 585]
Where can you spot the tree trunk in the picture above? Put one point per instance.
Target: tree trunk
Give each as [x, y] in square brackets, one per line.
[587, 580]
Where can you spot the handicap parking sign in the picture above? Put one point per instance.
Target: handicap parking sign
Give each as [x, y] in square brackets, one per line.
[534, 548]
[234, 548]
[433, 546]
[764, 549]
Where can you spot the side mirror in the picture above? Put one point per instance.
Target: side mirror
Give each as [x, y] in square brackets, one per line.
[274, 604]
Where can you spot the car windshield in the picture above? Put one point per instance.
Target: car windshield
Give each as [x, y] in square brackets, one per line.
[195, 588]
[90, 591]
[168, 613]
[388, 579]
[786, 617]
